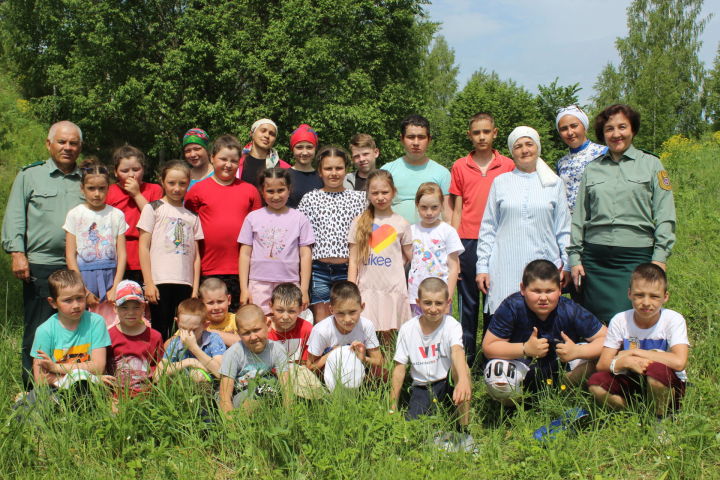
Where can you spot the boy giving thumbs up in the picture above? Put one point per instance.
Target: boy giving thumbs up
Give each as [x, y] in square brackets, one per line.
[533, 329]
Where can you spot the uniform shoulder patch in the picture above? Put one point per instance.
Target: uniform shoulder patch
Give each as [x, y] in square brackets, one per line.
[664, 180]
[34, 164]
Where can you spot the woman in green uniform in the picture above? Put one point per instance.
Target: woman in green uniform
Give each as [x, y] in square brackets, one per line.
[624, 215]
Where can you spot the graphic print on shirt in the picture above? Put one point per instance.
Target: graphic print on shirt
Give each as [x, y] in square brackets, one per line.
[430, 263]
[74, 354]
[382, 236]
[250, 372]
[177, 232]
[97, 244]
[131, 370]
[273, 239]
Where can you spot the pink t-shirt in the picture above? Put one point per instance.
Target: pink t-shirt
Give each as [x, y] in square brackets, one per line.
[222, 210]
[119, 198]
[276, 240]
[172, 246]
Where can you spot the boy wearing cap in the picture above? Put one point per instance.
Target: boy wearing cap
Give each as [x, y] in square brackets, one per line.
[304, 178]
[136, 349]
[196, 152]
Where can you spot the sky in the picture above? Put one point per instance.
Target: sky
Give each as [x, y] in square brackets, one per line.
[534, 41]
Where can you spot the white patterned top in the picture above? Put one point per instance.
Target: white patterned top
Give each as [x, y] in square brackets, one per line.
[571, 167]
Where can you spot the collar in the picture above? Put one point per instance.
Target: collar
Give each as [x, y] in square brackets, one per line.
[581, 147]
[204, 340]
[631, 153]
[494, 163]
[54, 171]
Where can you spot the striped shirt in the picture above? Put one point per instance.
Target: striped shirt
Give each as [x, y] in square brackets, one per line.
[522, 222]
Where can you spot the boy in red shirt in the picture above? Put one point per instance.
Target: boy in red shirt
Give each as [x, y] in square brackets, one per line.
[471, 179]
[287, 328]
[222, 202]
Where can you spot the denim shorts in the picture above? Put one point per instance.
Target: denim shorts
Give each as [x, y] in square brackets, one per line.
[323, 277]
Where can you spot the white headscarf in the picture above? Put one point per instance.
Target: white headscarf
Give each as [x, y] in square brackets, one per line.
[575, 111]
[262, 121]
[547, 177]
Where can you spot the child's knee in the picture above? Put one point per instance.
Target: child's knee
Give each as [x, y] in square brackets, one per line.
[598, 392]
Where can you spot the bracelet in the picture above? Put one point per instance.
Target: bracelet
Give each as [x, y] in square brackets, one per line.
[624, 371]
[524, 354]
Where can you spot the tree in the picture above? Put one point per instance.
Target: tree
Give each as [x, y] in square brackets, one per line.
[144, 72]
[550, 99]
[510, 105]
[441, 81]
[659, 72]
[711, 94]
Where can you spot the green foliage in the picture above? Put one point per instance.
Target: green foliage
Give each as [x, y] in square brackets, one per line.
[144, 72]
[551, 98]
[509, 103]
[659, 71]
[711, 93]
[441, 81]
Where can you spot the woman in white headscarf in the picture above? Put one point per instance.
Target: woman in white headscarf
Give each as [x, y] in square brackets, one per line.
[259, 153]
[572, 124]
[526, 218]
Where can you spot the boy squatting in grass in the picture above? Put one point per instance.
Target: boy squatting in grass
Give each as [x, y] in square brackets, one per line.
[534, 328]
[286, 327]
[432, 343]
[647, 342]
[214, 294]
[344, 327]
[72, 339]
[194, 349]
[248, 366]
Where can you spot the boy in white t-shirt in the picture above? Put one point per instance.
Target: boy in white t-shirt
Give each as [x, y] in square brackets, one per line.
[432, 344]
[646, 348]
[345, 327]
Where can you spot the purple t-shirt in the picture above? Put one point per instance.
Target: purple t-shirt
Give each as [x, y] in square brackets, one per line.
[276, 239]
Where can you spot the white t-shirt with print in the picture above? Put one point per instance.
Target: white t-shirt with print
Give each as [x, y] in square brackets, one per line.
[429, 356]
[431, 248]
[325, 336]
[670, 330]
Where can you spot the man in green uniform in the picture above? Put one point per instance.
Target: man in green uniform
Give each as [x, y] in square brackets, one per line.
[624, 215]
[41, 196]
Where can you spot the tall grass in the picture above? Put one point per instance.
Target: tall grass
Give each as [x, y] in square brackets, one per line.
[175, 433]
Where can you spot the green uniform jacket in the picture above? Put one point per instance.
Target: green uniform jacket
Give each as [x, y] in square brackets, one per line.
[40, 198]
[624, 204]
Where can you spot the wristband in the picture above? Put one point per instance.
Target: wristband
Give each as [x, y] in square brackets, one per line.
[612, 368]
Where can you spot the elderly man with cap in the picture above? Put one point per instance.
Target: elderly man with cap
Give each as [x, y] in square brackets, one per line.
[259, 153]
[42, 194]
[572, 124]
[196, 144]
[526, 218]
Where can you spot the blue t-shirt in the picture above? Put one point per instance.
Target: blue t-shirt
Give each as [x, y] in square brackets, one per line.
[71, 346]
[513, 320]
[211, 343]
[408, 178]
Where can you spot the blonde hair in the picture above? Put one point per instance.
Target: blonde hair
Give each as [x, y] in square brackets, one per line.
[363, 229]
[428, 188]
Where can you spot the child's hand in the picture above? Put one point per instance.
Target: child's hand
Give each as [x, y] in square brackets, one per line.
[568, 350]
[187, 337]
[132, 187]
[305, 301]
[45, 362]
[359, 349]
[636, 364]
[109, 380]
[245, 298]
[152, 294]
[462, 393]
[536, 347]
[90, 299]
[111, 295]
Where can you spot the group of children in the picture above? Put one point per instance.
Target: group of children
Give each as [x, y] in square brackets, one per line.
[234, 240]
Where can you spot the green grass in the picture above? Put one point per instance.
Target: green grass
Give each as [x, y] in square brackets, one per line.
[164, 435]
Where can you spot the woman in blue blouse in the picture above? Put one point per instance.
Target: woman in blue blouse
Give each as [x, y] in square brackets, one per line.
[526, 218]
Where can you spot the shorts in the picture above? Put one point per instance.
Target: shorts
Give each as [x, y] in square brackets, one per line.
[422, 396]
[261, 293]
[627, 385]
[323, 277]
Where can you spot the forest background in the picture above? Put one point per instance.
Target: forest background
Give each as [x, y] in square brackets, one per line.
[144, 72]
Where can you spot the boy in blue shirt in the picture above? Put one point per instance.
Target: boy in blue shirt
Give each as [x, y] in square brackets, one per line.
[532, 329]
